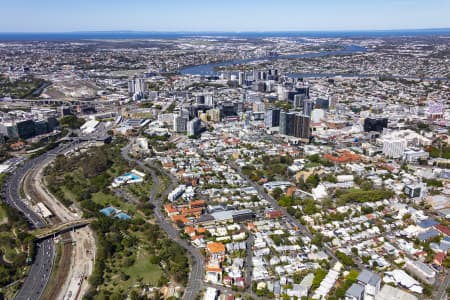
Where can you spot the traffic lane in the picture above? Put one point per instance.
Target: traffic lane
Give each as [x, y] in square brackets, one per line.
[36, 281]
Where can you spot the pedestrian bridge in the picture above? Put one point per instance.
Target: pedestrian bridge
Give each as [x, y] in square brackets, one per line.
[46, 232]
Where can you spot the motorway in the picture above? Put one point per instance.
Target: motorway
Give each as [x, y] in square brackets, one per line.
[41, 269]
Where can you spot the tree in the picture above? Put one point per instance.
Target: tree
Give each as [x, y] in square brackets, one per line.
[276, 193]
[71, 122]
[312, 181]
[345, 259]
[317, 239]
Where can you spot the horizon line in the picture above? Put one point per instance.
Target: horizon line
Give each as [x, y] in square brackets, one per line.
[226, 31]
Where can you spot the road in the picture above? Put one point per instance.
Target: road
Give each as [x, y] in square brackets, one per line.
[195, 283]
[275, 205]
[37, 279]
[441, 293]
[40, 271]
[248, 261]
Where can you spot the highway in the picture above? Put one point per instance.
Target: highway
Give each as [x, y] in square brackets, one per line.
[36, 281]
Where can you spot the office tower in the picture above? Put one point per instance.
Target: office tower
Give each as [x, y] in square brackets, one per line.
[258, 106]
[303, 90]
[185, 113]
[262, 75]
[200, 99]
[375, 124]
[298, 100]
[209, 100]
[308, 106]
[302, 126]
[140, 86]
[26, 129]
[179, 124]
[332, 101]
[241, 78]
[272, 118]
[131, 87]
[137, 87]
[282, 93]
[193, 127]
[269, 85]
[323, 103]
[214, 115]
[261, 87]
[394, 148]
[295, 124]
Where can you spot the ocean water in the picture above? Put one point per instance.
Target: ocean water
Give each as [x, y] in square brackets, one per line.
[74, 36]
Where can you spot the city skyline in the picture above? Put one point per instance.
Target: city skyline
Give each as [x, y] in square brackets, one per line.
[234, 16]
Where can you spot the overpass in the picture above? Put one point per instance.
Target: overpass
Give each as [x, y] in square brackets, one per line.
[47, 232]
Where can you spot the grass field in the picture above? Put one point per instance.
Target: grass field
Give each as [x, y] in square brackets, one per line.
[140, 272]
[111, 200]
[141, 190]
[142, 268]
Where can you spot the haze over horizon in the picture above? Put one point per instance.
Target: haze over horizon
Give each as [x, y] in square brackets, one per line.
[230, 16]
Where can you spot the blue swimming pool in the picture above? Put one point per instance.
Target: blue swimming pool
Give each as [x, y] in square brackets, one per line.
[132, 176]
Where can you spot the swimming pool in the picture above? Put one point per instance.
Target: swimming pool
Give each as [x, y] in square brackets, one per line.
[132, 176]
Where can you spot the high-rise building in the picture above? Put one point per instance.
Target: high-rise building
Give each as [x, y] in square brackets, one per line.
[137, 87]
[214, 115]
[272, 118]
[258, 106]
[185, 113]
[179, 124]
[375, 124]
[298, 100]
[193, 127]
[295, 124]
[323, 103]
[140, 87]
[209, 100]
[394, 148]
[308, 106]
[241, 78]
[200, 99]
[131, 87]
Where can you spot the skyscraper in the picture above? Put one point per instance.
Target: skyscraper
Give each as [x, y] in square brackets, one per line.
[137, 87]
[308, 106]
[295, 124]
[241, 78]
[258, 106]
[272, 118]
[179, 124]
[193, 127]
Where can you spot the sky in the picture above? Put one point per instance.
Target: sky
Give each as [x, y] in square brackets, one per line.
[221, 15]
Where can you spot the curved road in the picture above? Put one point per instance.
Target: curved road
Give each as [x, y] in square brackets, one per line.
[41, 269]
[195, 283]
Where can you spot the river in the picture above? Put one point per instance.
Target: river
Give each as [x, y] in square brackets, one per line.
[208, 69]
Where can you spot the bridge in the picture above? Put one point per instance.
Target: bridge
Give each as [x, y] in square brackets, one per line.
[47, 232]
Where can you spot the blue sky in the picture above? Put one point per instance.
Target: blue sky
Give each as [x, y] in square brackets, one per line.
[220, 15]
